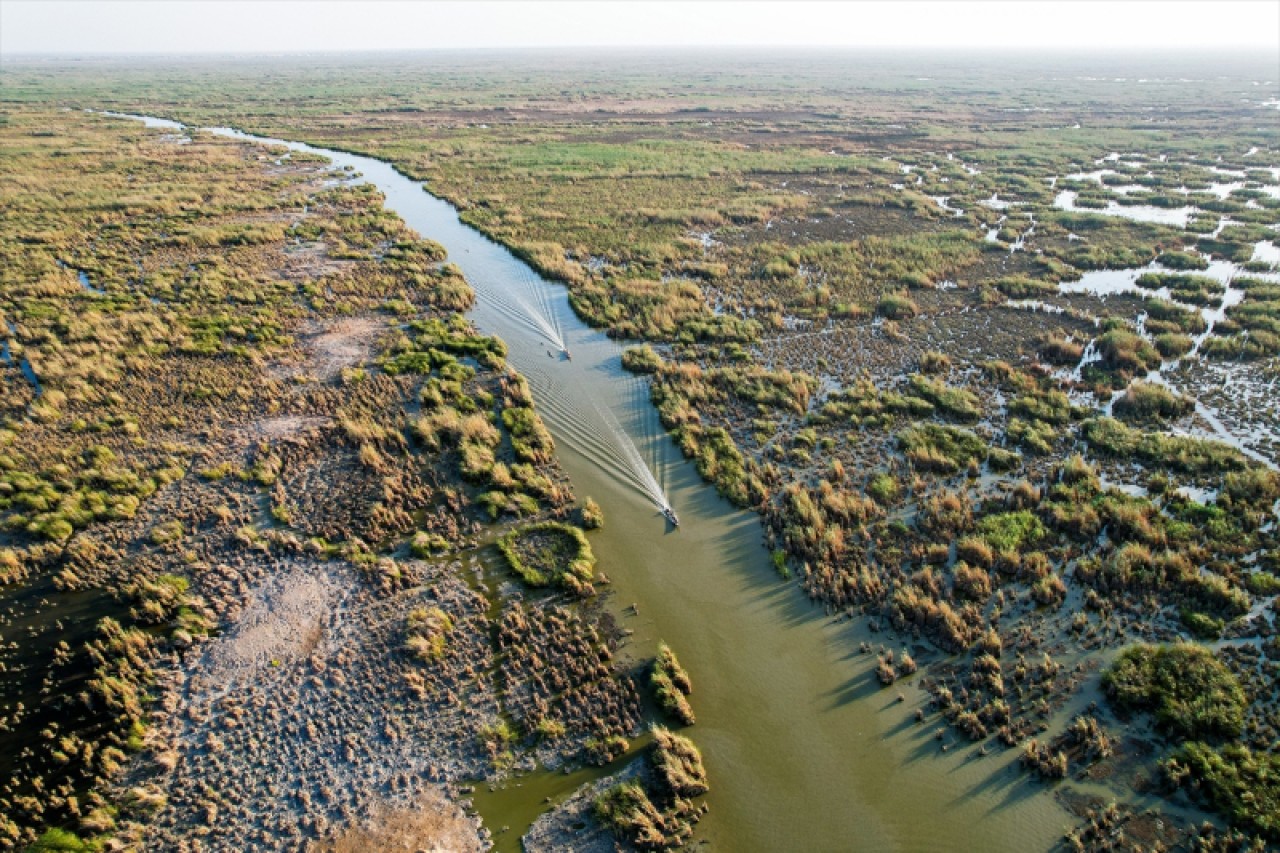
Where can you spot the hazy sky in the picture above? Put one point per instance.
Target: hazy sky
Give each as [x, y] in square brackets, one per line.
[191, 26]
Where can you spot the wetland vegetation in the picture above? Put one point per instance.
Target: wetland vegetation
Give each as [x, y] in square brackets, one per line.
[992, 357]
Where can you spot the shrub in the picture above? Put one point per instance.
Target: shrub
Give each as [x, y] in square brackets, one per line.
[1173, 345]
[1182, 261]
[1235, 781]
[670, 685]
[1201, 625]
[897, 306]
[941, 448]
[1188, 690]
[55, 840]
[627, 811]
[427, 630]
[1056, 349]
[1148, 401]
[973, 584]
[883, 488]
[641, 359]
[1127, 353]
[957, 402]
[1011, 531]
[592, 515]
[1021, 287]
[935, 362]
[677, 764]
[1182, 453]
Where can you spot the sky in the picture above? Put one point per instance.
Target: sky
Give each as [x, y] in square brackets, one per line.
[275, 26]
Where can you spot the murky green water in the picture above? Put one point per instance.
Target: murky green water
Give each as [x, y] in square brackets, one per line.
[804, 749]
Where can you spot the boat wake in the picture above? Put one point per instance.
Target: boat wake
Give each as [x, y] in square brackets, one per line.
[594, 432]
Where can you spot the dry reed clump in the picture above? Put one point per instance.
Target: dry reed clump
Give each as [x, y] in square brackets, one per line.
[562, 685]
[671, 685]
[655, 811]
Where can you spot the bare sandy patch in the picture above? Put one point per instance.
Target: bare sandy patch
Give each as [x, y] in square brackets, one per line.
[432, 825]
[283, 622]
[344, 344]
[330, 346]
[288, 426]
[310, 261]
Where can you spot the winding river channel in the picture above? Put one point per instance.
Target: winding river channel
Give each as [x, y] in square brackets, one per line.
[805, 751]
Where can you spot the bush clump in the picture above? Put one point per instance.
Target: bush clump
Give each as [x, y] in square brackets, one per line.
[641, 359]
[1189, 691]
[427, 632]
[1235, 781]
[897, 306]
[628, 812]
[677, 764]
[592, 515]
[1010, 532]
[654, 812]
[1179, 452]
[941, 448]
[1148, 401]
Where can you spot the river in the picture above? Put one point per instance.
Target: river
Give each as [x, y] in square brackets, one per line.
[805, 751]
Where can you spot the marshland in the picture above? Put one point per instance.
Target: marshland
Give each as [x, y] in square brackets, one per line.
[964, 389]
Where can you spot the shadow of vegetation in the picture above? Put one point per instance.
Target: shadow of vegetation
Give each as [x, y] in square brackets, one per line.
[856, 689]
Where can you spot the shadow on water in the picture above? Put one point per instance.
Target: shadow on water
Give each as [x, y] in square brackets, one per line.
[800, 751]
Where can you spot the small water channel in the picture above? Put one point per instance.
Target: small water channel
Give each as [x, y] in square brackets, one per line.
[1111, 282]
[804, 749]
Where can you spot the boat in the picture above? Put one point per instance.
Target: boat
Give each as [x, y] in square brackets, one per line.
[671, 516]
[568, 355]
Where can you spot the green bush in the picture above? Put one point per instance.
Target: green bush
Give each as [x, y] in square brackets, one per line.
[1188, 690]
[641, 359]
[56, 840]
[1011, 531]
[1183, 261]
[1238, 783]
[941, 448]
[897, 306]
[1148, 401]
[1182, 453]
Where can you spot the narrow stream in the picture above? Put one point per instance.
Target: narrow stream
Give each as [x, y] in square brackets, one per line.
[804, 749]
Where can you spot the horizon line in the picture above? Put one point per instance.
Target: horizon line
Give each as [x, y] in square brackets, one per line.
[680, 47]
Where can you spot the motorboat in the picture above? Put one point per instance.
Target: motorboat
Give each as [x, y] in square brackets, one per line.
[568, 355]
[670, 515]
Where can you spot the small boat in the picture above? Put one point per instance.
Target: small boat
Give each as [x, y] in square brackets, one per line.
[568, 355]
[670, 515]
